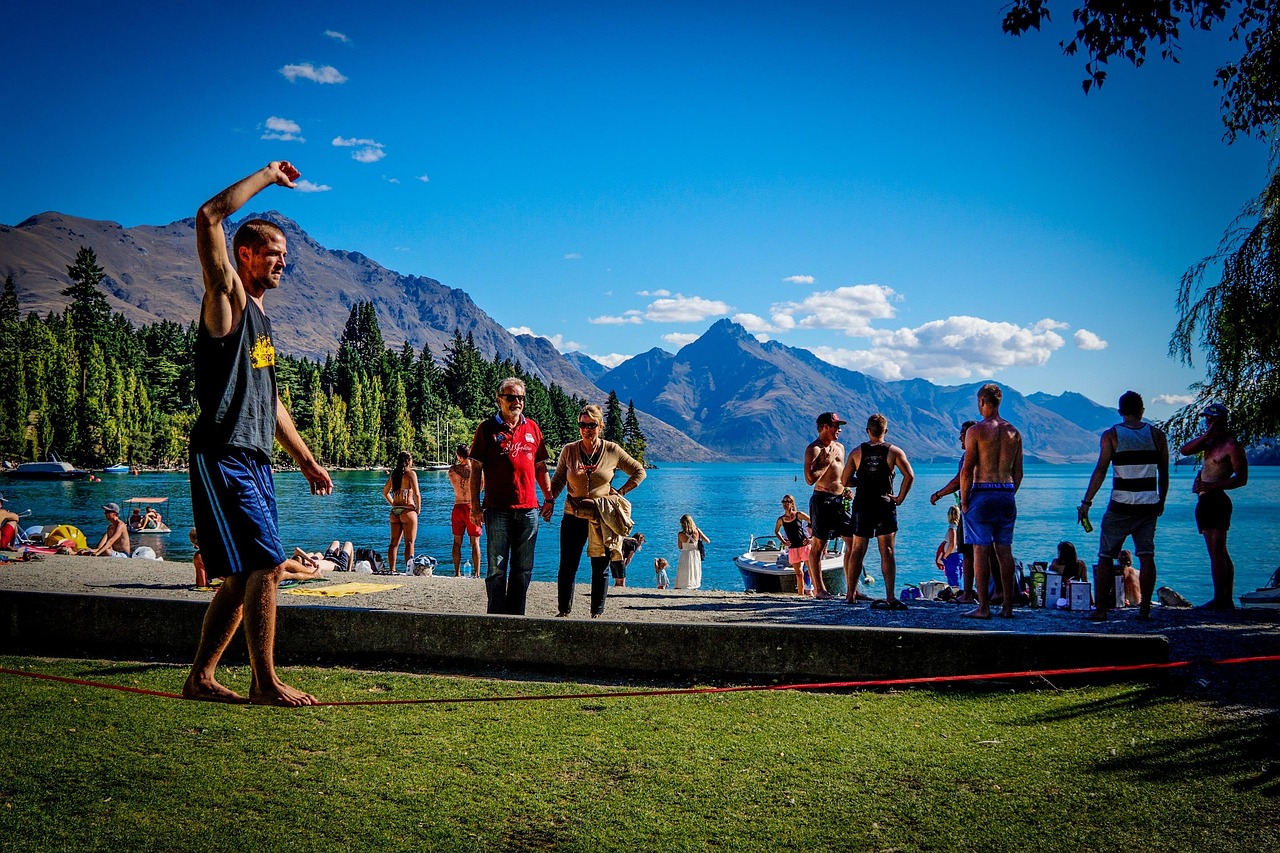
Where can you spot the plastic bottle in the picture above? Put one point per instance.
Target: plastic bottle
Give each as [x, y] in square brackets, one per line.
[466, 569]
[1086, 524]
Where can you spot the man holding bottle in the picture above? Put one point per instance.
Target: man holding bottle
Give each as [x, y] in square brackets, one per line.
[1138, 454]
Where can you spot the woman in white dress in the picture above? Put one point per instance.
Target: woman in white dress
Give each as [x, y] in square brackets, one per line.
[689, 571]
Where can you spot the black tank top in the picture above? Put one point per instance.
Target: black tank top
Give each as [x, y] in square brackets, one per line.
[875, 476]
[236, 386]
[795, 533]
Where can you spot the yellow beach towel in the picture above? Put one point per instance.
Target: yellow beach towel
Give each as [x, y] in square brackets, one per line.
[342, 589]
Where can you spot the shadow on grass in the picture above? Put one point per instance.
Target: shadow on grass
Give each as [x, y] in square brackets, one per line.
[1243, 752]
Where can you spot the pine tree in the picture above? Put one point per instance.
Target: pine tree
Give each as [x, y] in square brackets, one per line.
[88, 307]
[613, 419]
[633, 440]
[9, 302]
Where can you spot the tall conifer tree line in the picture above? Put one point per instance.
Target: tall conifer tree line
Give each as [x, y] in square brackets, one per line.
[90, 386]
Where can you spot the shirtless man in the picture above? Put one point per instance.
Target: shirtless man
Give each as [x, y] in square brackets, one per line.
[989, 478]
[116, 539]
[966, 549]
[460, 521]
[1224, 467]
[823, 469]
[875, 508]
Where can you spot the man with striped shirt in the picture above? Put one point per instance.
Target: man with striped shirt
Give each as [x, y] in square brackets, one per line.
[1138, 455]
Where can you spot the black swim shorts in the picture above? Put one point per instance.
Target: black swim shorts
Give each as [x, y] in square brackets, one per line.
[1213, 511]
[828, 517]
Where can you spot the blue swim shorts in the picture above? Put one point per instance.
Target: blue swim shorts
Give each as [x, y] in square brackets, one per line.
[233, 504]
[992, 513]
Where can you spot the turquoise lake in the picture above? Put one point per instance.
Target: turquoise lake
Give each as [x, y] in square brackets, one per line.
[730, 501]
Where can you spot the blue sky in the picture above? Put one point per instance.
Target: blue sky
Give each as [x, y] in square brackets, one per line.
[906, 195]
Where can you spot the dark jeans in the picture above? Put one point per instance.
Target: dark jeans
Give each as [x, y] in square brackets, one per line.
[512, 535]
[573, 538]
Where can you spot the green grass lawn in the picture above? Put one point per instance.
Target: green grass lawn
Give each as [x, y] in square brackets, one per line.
[1122, 767]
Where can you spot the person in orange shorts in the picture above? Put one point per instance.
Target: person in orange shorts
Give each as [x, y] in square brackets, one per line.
[460, 519]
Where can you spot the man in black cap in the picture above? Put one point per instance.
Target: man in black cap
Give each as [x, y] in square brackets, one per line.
[115, 542]
[829, 513]
[1222, 468]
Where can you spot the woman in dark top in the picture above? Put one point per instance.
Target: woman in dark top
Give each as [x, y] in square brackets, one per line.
[795, 525]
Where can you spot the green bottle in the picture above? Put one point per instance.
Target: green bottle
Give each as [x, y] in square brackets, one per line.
[1086, 524]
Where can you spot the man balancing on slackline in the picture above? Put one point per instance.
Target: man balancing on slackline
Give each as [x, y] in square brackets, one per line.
[232, 490]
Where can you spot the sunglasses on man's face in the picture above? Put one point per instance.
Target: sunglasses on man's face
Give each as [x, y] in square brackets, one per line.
[512, 398]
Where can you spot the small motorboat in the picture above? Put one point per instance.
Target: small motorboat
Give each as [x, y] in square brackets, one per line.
[51, 469]
[150, 520]
[116, 469]
[1265, 597]
[764, 566]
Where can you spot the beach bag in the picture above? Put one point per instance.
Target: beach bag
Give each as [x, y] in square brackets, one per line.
[377, 563]
[702, 550]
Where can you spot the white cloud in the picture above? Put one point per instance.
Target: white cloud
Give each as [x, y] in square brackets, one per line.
[799, 279]
[1175, 399]
[679, 338]
[305, 186]
[391, 180]
[648, 293]
[954, 348]
[573, 256]
[630, 318]
[283, 129]
[684, 309]
[1087, 340]
[849, 309]
[307, 71]
[337, 36]
[611, 360]
[425, 179]
[367, 150]
[753, 323]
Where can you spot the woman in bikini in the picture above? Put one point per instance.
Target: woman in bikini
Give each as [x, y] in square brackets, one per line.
[402, 494]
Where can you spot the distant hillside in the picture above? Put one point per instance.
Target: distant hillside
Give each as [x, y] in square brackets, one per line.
[1078, 409]
[587, 365]
[153, 274]
[758, 401]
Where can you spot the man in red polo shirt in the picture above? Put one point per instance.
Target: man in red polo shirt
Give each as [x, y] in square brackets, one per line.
[509, 456]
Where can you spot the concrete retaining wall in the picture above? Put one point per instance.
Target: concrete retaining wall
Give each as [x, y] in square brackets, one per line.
[115, 626]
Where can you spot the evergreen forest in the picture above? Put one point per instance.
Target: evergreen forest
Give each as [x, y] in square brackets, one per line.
[88, 385]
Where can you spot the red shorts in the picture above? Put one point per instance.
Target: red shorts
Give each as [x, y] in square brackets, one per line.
[460, 521]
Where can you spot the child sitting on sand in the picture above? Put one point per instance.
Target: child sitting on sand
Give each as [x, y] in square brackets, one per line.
[660, 568]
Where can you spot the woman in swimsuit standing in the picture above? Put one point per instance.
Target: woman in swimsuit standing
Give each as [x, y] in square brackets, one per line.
[401, 492]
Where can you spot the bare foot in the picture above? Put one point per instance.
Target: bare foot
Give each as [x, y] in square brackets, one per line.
[1006, 613]
[823, 596]
[979, 613]
[281, 695]
[199, 690]
[851, 599]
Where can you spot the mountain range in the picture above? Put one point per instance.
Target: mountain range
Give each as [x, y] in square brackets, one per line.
[725, 396]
